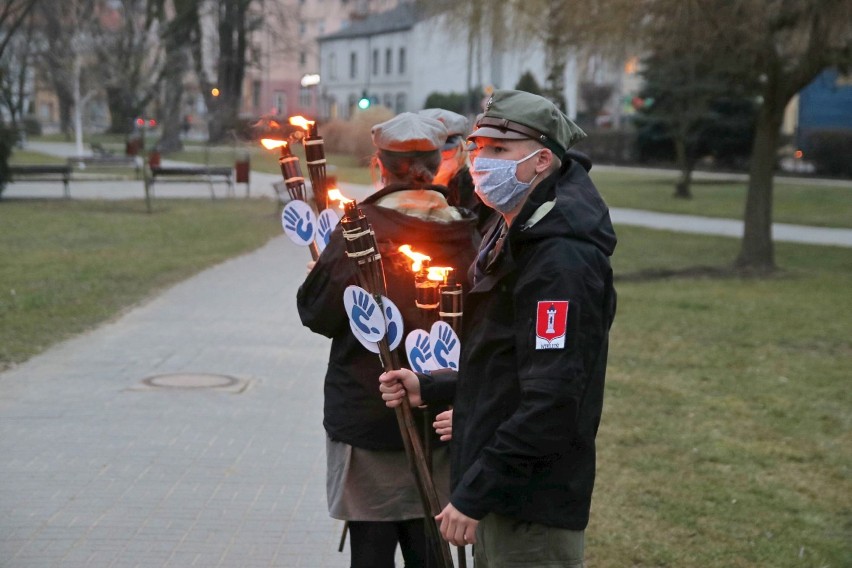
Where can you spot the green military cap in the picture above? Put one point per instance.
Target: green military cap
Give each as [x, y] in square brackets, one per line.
[518, 115]
[457, 125]
[409, 133]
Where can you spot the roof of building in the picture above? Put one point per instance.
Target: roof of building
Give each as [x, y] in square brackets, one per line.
[401, 18]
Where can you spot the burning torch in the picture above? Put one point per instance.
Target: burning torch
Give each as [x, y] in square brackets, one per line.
[437, 295]
[300, 223]
[363, 251]
[315, 158]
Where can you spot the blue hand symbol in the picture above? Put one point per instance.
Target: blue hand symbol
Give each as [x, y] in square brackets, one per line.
[444, 345]
[392, 327]
[301, 225]
[362, 309]
[419, 354]
[324, 229]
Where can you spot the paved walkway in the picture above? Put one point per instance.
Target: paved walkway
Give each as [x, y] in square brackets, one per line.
[99, 469]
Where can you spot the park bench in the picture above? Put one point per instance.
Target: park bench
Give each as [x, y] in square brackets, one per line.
[209, 174]
[107, 161]
[43, 172]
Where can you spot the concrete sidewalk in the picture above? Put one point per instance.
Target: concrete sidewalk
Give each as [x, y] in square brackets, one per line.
[100, 469]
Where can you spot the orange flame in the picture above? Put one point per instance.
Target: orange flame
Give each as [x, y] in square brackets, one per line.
[416, 257]
[301, 122]
[271, 143]
[335, 195]
[438, 273]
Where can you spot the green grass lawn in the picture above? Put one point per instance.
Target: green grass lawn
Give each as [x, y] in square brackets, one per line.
[726, 438]
[798, 203]
[66, 266]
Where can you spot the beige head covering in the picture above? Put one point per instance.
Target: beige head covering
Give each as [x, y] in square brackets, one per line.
[409, 132]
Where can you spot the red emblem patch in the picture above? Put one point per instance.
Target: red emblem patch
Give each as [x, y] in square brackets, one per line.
[550, 324]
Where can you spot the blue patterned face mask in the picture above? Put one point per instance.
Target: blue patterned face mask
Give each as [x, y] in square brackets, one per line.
[497, 183]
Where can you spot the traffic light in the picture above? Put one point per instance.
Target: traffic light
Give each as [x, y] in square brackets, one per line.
[364, 102]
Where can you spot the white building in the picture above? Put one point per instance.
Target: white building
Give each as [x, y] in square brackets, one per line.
[283, 81]
[398, 57]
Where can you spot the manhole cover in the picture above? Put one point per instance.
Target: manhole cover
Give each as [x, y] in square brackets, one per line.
[191, 381]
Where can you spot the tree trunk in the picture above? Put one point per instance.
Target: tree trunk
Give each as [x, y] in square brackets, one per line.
[757, 252]
[121, 110]
[685, 165]
[171, 120]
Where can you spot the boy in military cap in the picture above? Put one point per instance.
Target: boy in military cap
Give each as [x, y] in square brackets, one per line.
[369, 482]
[529, 391]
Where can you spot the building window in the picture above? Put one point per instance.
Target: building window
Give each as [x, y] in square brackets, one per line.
[303, 58]
[332, 66]
[353, 65]
[350, 108]
[305, 97]
[279, 100]
[400, 103]
[402, 61]
[388, 62]
[321, 27]
[255, 93]
[302, 27]
[388, 100]
[375, 62]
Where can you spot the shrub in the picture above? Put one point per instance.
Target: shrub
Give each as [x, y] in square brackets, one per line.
[8, 138]
[457, 102]
[31, 126]
[352, 137]
[609, 146]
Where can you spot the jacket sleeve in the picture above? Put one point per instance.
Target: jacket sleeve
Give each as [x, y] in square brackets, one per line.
[438, 387]
[552, 379]
[320, 297]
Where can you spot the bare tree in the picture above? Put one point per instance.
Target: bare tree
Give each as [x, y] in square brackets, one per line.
[67, 29]
[13, 14]
[561, 27]
[129, 59]
[16, 71]
[787, 44]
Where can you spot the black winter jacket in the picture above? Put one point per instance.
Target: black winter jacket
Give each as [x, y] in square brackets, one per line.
[354, 411]
[525, 419]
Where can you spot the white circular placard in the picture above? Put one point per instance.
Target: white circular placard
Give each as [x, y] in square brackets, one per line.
[299, 222]
[446, 346]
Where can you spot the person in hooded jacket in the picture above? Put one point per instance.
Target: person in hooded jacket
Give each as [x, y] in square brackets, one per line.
[528, 394]
[369, 482]
[455, 167]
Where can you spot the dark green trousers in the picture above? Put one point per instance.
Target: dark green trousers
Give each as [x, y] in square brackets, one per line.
[502, 542]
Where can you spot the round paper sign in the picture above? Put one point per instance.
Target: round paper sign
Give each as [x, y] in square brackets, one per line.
[363, 311]
[299, 222]
[446, 346]
[419, 352]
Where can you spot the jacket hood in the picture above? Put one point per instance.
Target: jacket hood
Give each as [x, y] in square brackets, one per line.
[567, 204]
